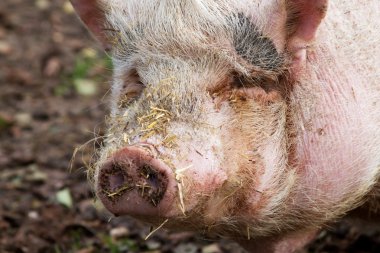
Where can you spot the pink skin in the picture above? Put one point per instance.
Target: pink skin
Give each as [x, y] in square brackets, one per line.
[329, 136]
[198, 174]
[340, 99]
[196, 166]
[92, 15]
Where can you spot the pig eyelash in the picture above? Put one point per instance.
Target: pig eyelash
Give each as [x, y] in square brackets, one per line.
[259, 85]
[266, 83]
[261, 88]
[131, 90]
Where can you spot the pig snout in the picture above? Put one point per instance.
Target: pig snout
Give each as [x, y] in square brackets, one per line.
[133, 182]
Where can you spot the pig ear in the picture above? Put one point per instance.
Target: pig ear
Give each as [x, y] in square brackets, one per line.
[304, 18]
[92, 13]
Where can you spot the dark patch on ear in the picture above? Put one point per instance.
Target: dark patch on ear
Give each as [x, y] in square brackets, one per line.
[253, 46]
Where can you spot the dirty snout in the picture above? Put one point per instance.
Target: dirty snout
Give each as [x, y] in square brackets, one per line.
[133, 182]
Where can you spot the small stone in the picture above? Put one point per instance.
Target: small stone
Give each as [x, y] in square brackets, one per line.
[119, 232]
[89, 53]
[33, 215]
[52, 67]
[23, 119]
[42, 4]
[153, 245]
[64, 197]
[186, 248]
[212, 248]
[5, 48]
[68, 8]
[85, 87]
[35, 174]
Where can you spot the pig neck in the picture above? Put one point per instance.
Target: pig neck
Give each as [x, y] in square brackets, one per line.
[337, 121]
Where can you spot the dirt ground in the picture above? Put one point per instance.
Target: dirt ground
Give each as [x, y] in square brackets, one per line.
[53, 100]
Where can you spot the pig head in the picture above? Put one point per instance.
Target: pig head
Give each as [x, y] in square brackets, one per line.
[256, 120]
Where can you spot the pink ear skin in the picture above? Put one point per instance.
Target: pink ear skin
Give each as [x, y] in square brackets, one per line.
[93, 16]
[304, 18]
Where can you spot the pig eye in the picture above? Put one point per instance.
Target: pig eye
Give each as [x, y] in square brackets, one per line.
[240, 82]
[262, 88]
[131, 90]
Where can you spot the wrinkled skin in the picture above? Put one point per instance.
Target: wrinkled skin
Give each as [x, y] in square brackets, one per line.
[256, 120]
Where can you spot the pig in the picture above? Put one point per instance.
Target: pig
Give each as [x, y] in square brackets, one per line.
[256, 120]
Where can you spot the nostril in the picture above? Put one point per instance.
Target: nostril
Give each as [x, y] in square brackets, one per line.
[150, 175]
[116, 181]
[152, 184]
[154, 181]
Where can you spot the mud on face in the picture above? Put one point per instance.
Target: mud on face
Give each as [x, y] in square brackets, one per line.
[120, 178]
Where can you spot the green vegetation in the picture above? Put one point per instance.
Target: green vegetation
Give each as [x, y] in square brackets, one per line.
[120, 245]
[89, 69]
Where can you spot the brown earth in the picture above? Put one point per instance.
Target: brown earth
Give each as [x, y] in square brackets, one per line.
[53, 92]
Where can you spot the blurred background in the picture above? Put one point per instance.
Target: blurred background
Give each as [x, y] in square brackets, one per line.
[54, 81]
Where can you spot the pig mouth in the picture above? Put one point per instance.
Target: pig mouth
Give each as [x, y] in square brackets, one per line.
[132, 182]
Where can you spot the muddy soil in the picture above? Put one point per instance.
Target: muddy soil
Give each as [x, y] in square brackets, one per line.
[53, 102]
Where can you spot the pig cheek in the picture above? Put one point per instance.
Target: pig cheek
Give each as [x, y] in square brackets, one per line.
[198, 158]
[200, 174]
[203, 185]
[252, 131]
